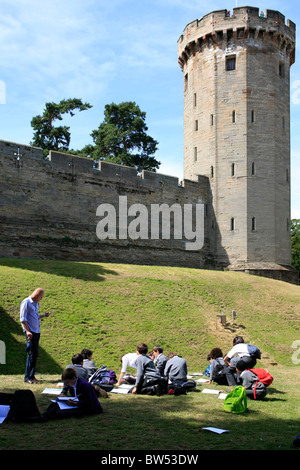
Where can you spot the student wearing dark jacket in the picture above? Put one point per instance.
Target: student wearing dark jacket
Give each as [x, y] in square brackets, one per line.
[175, 369]
[160, 359]
[218, 367]
[249, 380]
[148, 379]
[83, 399]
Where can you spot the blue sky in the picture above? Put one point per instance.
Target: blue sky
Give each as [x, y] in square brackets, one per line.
[112, 51]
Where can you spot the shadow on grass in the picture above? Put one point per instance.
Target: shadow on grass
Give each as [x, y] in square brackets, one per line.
[15, 355]
[157, 423]
[77, 270]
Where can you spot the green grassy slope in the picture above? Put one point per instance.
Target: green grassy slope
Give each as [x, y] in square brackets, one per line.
[110, 308]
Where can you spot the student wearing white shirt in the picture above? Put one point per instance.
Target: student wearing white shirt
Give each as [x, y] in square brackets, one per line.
[128, 360]
[239, 351]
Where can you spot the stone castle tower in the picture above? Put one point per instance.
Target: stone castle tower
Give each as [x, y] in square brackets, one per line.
[236, 72]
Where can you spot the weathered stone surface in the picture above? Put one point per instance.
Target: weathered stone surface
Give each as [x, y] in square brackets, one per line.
[237, 127]
[236, 163]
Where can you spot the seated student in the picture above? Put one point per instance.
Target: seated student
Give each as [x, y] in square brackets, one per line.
[254, 388]
[237, 352]
[148, 379]
[77, 365]
[87, 362]
[160, 359]
[175, 370]
[218, 367]
[128, 360]
[87, 402]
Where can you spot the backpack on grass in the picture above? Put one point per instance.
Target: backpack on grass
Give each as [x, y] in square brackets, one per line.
[23, 406]
[103, 376]
[263, 377]
[254, 351]
[178, 388]
[236, 400]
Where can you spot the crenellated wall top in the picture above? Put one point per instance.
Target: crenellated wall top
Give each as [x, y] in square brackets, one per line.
[244, 22]
[24, 156]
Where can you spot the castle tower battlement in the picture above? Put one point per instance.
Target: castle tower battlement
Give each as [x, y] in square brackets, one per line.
[220, 29]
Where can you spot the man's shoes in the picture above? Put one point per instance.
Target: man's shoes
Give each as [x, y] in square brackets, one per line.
[33, 381]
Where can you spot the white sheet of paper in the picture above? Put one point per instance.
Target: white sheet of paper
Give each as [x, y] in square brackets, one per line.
[52, 391]
[222, 396]
[216, 430]
[208, 390]
[123, 388]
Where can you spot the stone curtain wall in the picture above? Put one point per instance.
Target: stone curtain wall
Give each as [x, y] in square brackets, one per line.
[48, 209]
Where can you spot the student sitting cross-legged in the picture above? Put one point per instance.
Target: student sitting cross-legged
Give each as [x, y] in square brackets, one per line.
[148, 379]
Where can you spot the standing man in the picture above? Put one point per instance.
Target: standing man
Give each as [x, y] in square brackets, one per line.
[30, 321]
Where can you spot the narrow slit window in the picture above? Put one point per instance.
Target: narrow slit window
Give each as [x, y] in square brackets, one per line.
[233, 116]
[211, 171]
[186, 81]
[253, 169]
[195, 100]
[211, 119]
[232, 224]
[195, 154]
[252, 116]
[196, 125]
[230, 63]
[232, 169]
[253, 224]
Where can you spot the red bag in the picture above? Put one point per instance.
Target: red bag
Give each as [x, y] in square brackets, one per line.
[263, 376]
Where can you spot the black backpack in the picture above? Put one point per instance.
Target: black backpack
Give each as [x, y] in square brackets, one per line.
[179, 388]
[23, 406]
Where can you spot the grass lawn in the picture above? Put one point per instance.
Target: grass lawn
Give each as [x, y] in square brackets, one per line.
[110, 308]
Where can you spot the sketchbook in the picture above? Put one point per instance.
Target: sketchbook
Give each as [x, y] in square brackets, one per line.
[4, 410]
[62, 402]
[124, 388]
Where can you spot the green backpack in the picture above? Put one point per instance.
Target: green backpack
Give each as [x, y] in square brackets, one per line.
[236, 400]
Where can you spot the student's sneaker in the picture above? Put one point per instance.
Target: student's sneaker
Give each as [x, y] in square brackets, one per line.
[101, 392]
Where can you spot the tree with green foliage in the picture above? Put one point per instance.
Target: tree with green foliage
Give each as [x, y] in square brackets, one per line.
[46, 135]
[295, 234]
[122, 138]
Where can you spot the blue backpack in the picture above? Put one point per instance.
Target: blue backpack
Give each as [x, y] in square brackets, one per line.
[254, 351]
